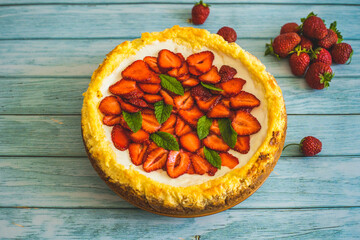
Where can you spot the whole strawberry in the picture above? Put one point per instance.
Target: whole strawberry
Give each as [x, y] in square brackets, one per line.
[283, 44]
[319, 75]
[321, 55]
[228, 34]
[313, 27]
[299, 61]
[200, 12]
[310, 146]
[289, 27]
[333, 36]
[341, 53]
[306, 43]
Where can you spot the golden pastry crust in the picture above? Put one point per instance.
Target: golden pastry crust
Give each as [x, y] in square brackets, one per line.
[198, 200]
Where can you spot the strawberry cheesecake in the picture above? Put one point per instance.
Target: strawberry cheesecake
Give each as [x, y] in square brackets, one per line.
[182, 123]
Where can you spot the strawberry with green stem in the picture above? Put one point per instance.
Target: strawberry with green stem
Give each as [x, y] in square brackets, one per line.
[309, 146]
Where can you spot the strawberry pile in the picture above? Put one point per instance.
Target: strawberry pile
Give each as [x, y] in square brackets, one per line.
[312, 49]
[180, 115]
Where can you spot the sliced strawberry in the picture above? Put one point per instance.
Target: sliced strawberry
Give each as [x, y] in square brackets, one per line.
[169, 125]
[137, 71]
[214, 128]
[244, 100]
[211, 76]
[120, 138]
[191, 169]
[245, 124]
[194, 71]
[226, 72]
[110, 106]
[184, 102]
[168, 60]
[190, 142]
[177, 164]
[242, 144]
[123, 123]
[152, 98]
[228, 160]
[111, 120]
[207, 104]
[219, 111]
[127, 107]
[152, 146]
[150, 88]
[179, 72]
[156, 159]
[231, 87]
[152, 63]
[139, 137]
[216, 143]
[167, 98]
[226, 102]
[155, 79]
[201, 61]
[190, 82]
[191, 116]
[201, 165]
[181, 127]
[137, 153]
[181, 57]
[201, 92]
[138, 102]
[183, 78]
[149, 122]
[126, 89]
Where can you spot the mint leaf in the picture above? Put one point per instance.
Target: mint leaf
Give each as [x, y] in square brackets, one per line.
[162, 111]
[211, 87]
[165, 140]
[203, 127]
[213, 157]
[133, 120]
[171, 84]
[227, 132]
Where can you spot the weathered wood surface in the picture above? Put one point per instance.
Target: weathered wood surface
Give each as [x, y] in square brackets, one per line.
[296, 182]
[61, 135]
[70, 58]
[137, 224]
[108, 21]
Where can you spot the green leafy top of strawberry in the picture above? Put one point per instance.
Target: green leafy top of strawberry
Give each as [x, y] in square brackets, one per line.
[202, 3]
[326, 78]
[298, 49]
[270, 50]
[338, 33]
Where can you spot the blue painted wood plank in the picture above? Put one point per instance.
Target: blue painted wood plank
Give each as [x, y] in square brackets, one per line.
[60, 135]
[136, 224]
[296, 182]
[86, 21]
[212, 2]
[342, 97]
[81, 57]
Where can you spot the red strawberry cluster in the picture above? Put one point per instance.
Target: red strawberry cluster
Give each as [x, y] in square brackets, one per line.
[312, 49]
[178, 92]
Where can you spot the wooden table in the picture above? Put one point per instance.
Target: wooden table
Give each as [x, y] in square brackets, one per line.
[48, 189]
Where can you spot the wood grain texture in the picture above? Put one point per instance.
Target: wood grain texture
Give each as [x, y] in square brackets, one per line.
[86, 21]
[39, 58]
[137, 224]
[72, 183]
[66, 97]
[213, 2]
[60, 135]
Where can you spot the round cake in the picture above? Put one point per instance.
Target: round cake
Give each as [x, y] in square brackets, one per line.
[182, 123]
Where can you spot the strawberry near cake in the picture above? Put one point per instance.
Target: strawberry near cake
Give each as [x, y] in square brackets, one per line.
[182, 123]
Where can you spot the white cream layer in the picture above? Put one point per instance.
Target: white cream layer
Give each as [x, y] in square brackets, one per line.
[251, 86]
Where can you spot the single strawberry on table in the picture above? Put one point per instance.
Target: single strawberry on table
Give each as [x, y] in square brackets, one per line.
[319, 75]
[299, 61]
[321, 55]
[341, 53]
[289, 27]
[309, 146]
[200, 12]
[313, 27]
[283, 44]
[228, 34]
[333, 36]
